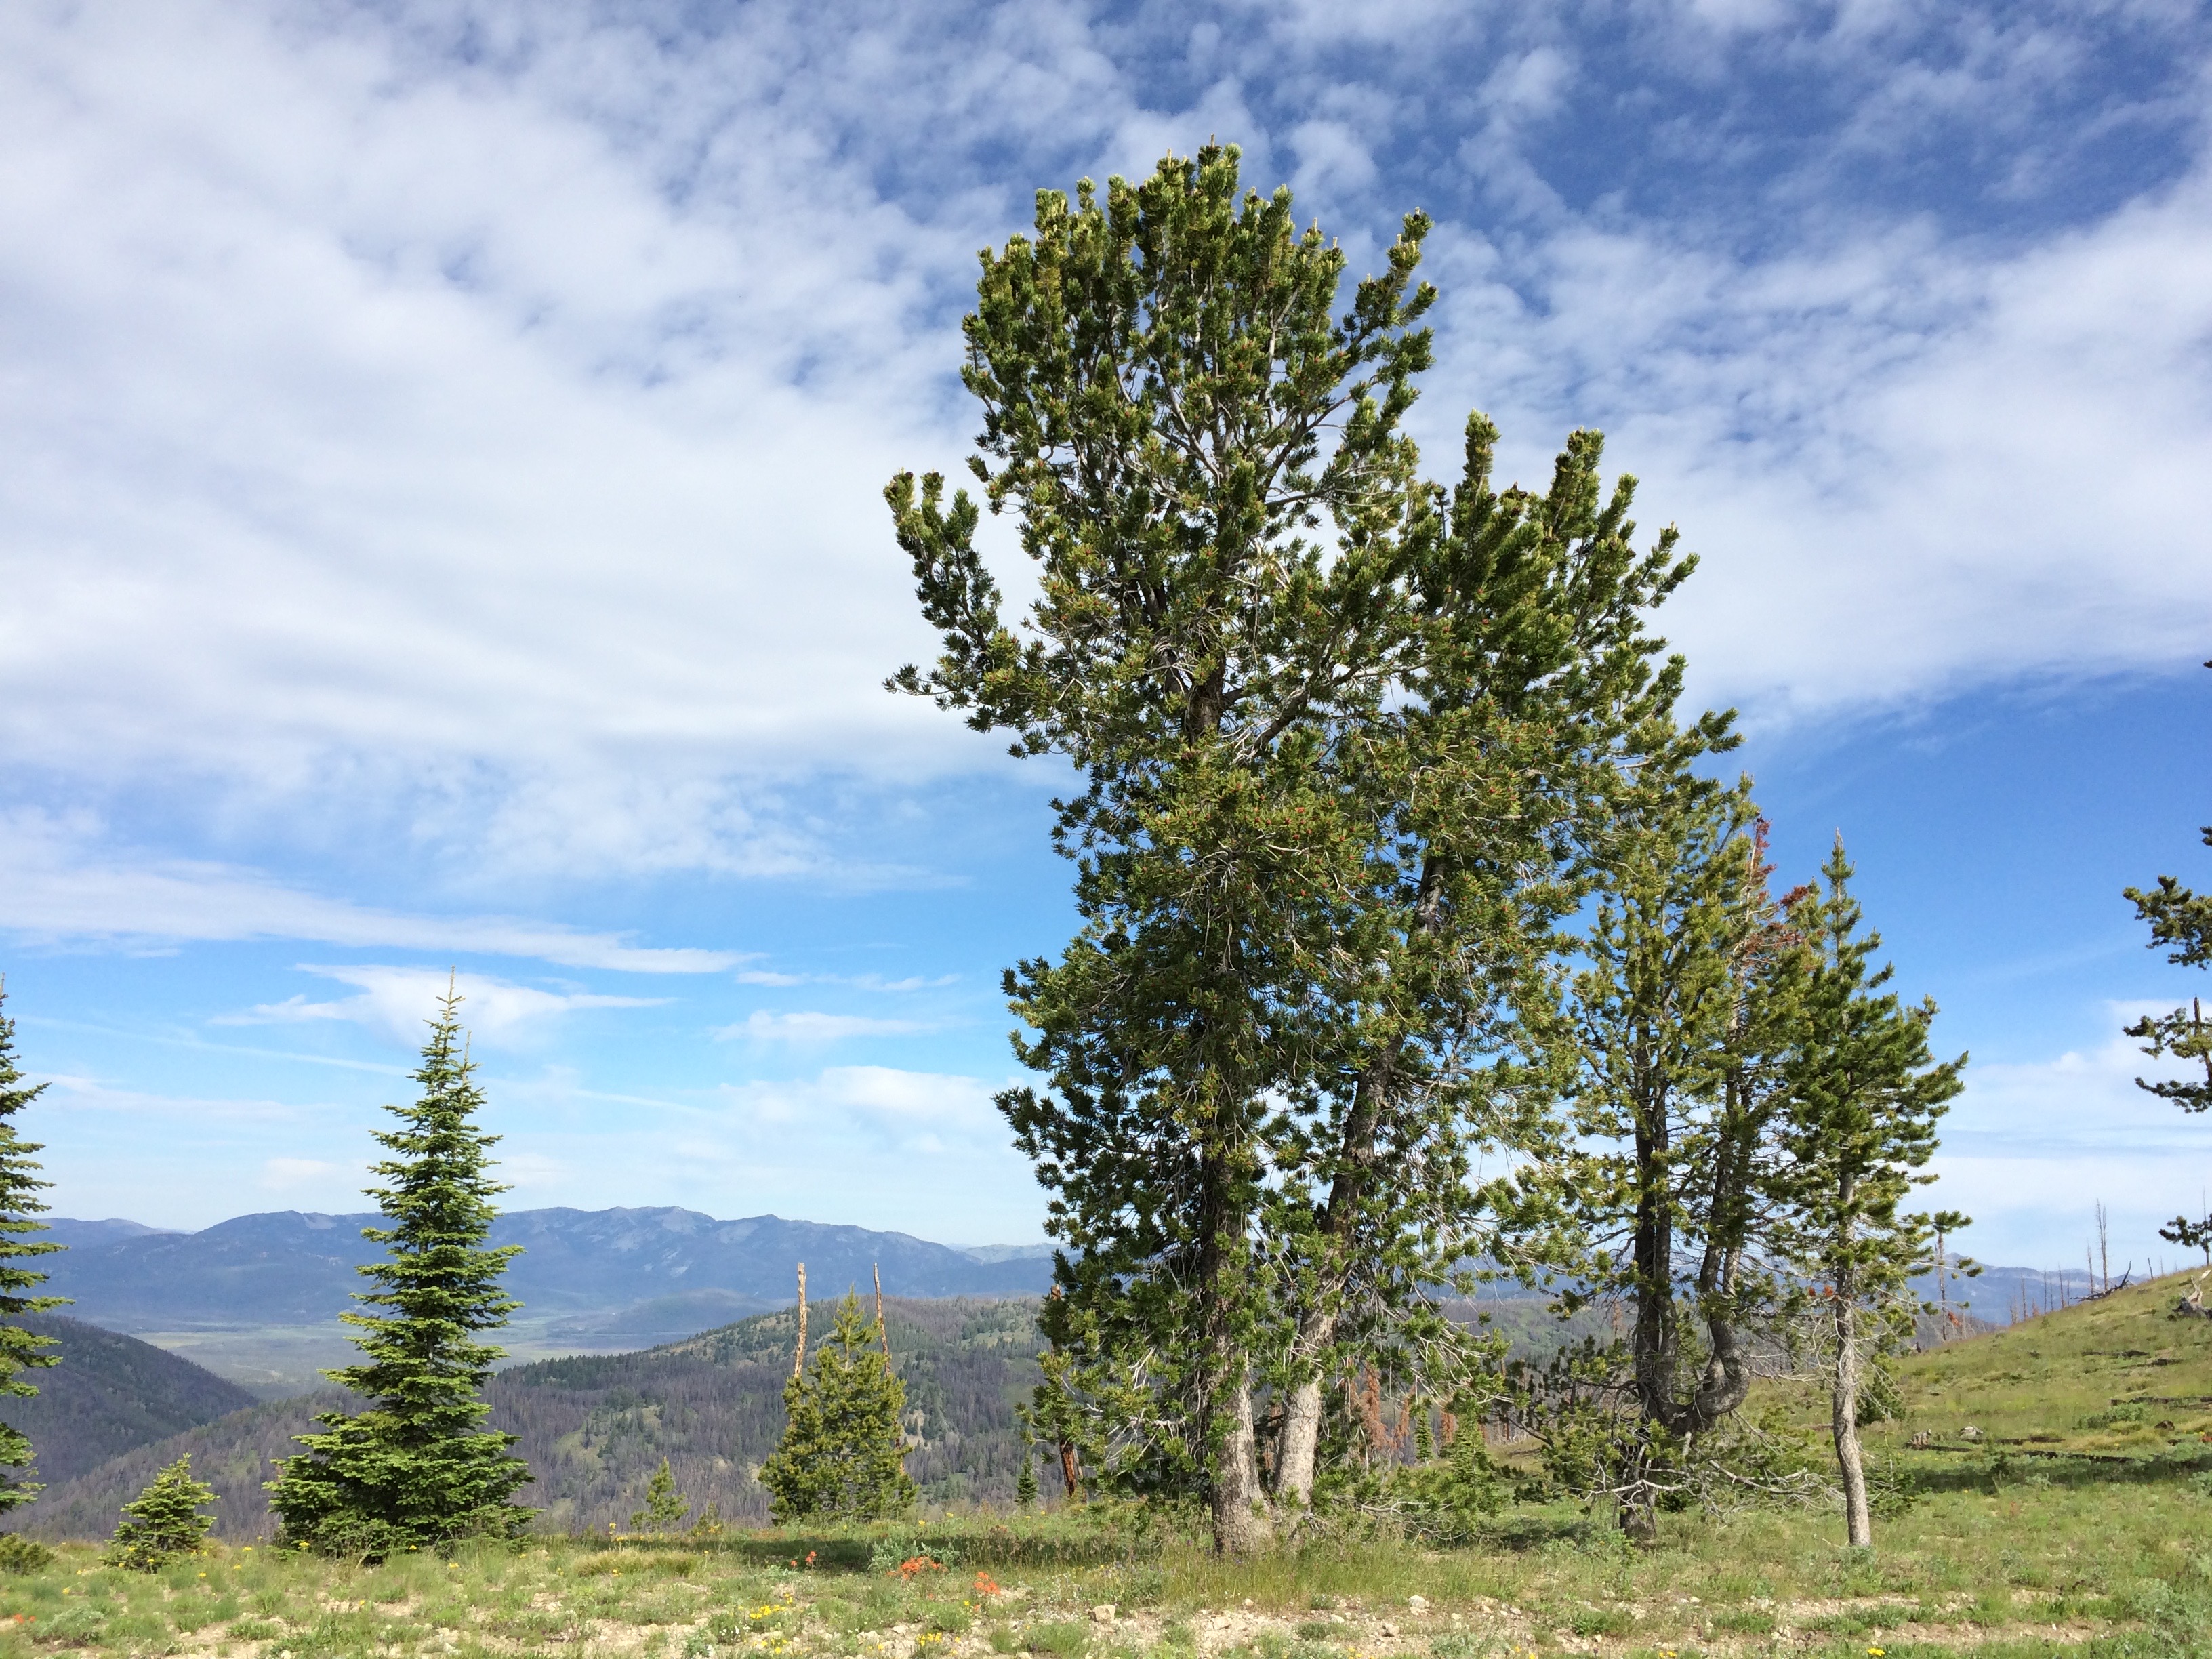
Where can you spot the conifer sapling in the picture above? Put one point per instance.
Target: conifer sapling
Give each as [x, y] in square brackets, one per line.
[665, 1507]
[2181, 920]
[842, 1455]
[1865, 1093]
[163, 1523]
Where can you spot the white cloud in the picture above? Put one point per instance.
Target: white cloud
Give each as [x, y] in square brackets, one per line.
[2030, 1149]
[923, 1109]
[64, 884]
[856, 982]
[71, 1093]
[1909, 467]
[761, 1026]
[379, 428]
[485, 442]
[399, 1001]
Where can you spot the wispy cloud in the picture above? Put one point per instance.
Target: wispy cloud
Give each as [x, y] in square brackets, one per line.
[856, 981]
[397, 1002]
[761, 1026]
[2031, 1147]
[471, 421]
[287, 1175]
[64, 884]
[89, 1094]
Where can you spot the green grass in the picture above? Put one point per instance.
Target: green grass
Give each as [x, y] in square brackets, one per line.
[2079, 1521]
[1964, 1570]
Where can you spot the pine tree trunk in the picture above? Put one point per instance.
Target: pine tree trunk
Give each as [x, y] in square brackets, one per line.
[1654, 1344]
[1241, 1525]
[1298, 1448]
[1639, 1505]
[1301, 1433]
[1858, 1521]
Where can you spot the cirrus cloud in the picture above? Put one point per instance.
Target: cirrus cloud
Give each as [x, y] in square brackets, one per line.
[396, 1001]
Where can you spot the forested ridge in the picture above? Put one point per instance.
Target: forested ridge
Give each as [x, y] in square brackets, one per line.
[594, 1427]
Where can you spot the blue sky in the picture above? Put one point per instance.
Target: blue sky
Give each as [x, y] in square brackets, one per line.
[442, 528]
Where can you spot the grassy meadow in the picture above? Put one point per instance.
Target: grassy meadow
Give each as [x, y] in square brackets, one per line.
[2076, 1516]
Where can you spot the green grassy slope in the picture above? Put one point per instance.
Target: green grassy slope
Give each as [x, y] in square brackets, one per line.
[2072, 1527]
[2115, 1378]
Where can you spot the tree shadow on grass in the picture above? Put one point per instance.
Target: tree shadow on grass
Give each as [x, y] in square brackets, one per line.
[2011, 1466]
[947, 1544]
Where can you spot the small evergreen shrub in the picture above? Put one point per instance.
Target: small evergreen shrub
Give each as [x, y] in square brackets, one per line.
[19, 1554]
[2116, 1418]
[1066, 1640]
[665, 1507]
[163, 1523]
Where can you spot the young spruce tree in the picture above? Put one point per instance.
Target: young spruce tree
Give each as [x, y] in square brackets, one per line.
[417, 1468]
[163, 1523]
[842, 1455]
[665, 1507]
[20, 1208]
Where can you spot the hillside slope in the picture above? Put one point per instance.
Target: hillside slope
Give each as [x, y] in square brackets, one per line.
[110, 1394]
[2119, 1378]
[594, 1427]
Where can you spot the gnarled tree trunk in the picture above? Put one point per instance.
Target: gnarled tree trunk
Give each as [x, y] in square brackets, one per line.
[1843, 1412]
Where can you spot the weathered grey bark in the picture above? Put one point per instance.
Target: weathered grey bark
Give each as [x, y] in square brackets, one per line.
[1241, 1522]
[1844, 1401]
[1301, 1431]
[1296, 1450]
[798, 1353]
[1858, 1523]
[1237, 1498]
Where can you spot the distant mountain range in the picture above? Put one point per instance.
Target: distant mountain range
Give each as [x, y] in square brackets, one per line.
[639, 1274]
[256, 1298]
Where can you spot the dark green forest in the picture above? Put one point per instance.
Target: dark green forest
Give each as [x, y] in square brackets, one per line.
[594, 1427]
